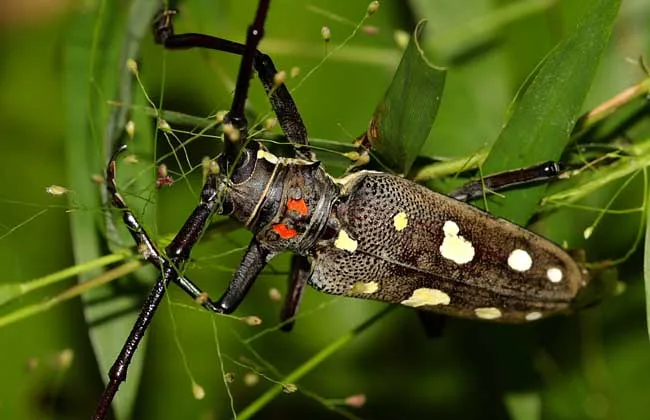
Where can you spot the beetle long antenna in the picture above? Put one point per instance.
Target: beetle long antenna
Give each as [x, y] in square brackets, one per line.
[178, 251]
[281, 101]
[236, 137]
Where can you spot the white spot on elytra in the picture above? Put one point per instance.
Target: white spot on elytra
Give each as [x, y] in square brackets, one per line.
[343, 241]
[533, 316]
[400, 221]
[520, 260]
[263, 154]
[454, 247]
[554, 274]
[364, 287]
[488, 313]
[425, 296]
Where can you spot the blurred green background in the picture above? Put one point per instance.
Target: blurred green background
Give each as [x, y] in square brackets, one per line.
[592, 365]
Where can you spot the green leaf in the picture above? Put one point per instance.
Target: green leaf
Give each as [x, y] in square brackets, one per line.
[524, 406]
[9, 292]
[98, 44]
[463, 40]
[646, 268]
[402, 121]
[544, 114]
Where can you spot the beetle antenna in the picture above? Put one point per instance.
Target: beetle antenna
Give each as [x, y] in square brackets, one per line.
[236, 137]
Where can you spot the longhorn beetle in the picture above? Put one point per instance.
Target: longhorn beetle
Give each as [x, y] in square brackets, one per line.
[368, 235]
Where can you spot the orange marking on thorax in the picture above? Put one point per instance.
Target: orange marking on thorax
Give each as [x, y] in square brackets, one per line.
[284, 231]
[298, 205]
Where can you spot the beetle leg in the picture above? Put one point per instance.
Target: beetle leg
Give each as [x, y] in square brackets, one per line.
[281, 100]
[252, 264]
[432, 323]
[118, 371]
[148, 248]
[544, 172]
[178, 252]
[300, 270]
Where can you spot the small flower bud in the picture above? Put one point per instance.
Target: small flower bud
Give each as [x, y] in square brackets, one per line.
[269, 123]
[356, 401]
[289, 388]
[163, 179]
[198, 391]
[64, 359]
[401, 38]
[370, 30]
[132, 65]
[279, 78]
[131, 159]
[274, 295]
[326, 34]
[202, 298]
[231, 132]
[56, 190]
[251, 379]
[220, 116]
[164, 126]
[372, 8]
[353, 156]
[130, 129]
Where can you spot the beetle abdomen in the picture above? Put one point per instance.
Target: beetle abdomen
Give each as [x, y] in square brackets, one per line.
[400, 242]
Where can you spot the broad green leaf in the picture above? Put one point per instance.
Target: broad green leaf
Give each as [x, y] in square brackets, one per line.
[524, 406]
[401, 122]
[464, 123]
[544, 114]
[109, 337]
[460, 41]
[98, 45]
[646, 268]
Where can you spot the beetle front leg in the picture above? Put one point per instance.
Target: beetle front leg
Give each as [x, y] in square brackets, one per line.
[179, 250]
[120, 367]
[169, 265]
[252, 264]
